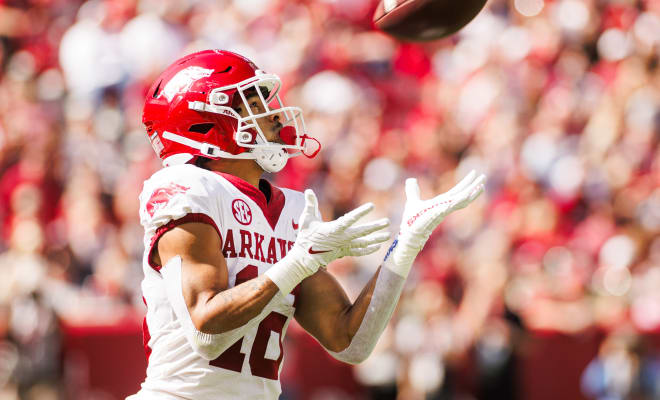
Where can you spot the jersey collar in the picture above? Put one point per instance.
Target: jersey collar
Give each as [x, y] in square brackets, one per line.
[271, 209]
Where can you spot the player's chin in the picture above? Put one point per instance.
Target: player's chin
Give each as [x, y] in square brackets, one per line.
[272, 135]
[276, 137]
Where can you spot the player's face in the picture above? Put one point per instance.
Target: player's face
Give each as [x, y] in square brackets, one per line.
[270, 125]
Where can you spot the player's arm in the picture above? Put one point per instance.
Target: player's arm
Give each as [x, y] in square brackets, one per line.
[350, 330]
[213, 308]
[196, 278]
[326, 312]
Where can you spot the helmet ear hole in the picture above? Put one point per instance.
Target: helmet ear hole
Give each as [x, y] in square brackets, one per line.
[201, 128]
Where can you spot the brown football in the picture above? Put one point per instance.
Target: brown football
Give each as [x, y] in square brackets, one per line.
[424, 20]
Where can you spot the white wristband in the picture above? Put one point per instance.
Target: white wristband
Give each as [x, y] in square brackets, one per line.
[402, 253]
[291, 270]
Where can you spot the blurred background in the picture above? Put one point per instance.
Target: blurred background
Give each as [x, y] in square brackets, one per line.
[548, 287]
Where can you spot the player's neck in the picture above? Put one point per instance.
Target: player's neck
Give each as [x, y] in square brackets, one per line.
[248, 170]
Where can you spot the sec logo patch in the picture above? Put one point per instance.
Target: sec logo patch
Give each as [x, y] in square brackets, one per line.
[242, 212]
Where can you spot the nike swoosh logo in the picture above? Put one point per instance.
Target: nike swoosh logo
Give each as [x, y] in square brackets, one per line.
[312, 251]
[295, 226]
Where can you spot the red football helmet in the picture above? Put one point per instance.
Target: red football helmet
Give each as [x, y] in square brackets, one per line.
[188, 112]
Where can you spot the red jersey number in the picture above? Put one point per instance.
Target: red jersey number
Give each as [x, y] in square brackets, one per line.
[232, 358]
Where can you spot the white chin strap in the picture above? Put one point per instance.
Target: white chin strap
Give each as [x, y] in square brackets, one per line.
[271, 157]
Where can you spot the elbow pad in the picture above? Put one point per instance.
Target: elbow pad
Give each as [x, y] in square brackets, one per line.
[207, 346]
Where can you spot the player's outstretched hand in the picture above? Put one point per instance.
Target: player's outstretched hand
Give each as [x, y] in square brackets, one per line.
[328, 241]
[421, 217]
[318, 243]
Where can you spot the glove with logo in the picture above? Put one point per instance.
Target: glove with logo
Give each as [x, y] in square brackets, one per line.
[318, 243]
[421, 217]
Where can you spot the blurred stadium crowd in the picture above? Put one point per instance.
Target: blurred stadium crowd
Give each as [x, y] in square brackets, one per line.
[558, 102]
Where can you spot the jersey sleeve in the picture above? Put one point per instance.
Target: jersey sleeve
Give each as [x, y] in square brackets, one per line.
[175, 196]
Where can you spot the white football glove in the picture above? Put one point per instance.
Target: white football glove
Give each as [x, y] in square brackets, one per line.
[421, 217]
[318, 243]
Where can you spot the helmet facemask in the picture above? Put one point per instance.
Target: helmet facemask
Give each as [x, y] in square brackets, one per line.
[271, 156]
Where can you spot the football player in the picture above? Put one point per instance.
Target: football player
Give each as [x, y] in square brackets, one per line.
[230, 259]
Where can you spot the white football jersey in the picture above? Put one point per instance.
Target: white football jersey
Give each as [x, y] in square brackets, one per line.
[255, 234]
